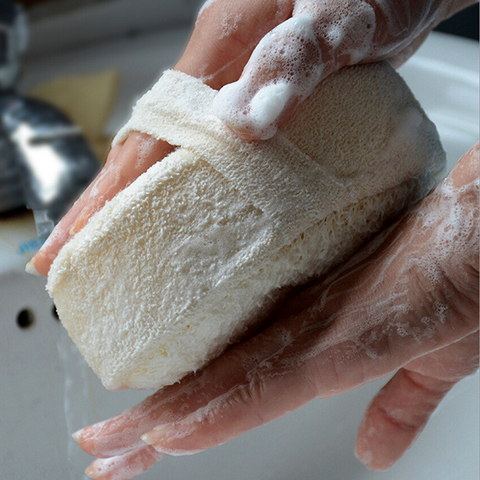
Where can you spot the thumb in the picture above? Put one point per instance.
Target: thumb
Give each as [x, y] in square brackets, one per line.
[291, 60]
[283, 70]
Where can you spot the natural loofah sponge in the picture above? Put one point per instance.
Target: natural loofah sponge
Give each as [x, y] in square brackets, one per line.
[174, 268]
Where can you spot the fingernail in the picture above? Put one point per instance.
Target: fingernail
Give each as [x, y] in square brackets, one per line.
[159, 435]
[86, 433]
[77, 225]
[73, 229]
[365, 456]
[155, 435]
[30, 269]
[78, 435]
[147, 439]
[90, 472]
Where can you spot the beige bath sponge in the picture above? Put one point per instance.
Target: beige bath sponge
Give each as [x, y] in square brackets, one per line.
[172, 270]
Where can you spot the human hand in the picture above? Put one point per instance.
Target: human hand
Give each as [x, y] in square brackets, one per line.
[305, 40]
[317, 38]
[407, 303]
[217, 60]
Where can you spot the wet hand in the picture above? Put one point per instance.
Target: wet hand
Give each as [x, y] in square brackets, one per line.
[216, 58]
[406, 304]
[317, 38]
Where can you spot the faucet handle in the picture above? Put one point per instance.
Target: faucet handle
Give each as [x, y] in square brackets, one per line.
[55, 160]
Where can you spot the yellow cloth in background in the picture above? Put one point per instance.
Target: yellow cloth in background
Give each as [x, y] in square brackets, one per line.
[88, 101]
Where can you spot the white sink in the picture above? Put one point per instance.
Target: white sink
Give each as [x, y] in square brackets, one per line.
[47, 392]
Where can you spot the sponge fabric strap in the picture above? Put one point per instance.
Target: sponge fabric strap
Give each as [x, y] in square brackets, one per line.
[292, 189]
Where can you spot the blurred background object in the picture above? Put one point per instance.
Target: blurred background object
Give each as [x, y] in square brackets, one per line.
[62, 25]
[87, 99]
[45, 160]
[13, 40]
[464, 23]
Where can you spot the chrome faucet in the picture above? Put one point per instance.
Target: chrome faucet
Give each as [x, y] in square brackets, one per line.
[45, 162]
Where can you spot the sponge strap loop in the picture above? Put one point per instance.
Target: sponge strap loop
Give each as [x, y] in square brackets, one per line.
[293, 190]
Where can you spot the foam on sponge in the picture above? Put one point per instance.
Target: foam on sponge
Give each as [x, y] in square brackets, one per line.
[173, 269]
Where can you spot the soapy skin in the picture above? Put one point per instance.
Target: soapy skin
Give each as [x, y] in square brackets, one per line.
[334, 335]
[320, 37]
[382, 437]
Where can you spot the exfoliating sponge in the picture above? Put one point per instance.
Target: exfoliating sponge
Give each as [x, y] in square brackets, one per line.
[173, 269]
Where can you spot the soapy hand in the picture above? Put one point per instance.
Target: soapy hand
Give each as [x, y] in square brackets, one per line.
[407, 304]
[318, 38]
[266, 56]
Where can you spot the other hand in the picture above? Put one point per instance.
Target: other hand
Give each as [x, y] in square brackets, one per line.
[407, 304]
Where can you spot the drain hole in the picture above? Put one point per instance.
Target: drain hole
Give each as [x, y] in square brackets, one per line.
[25, 318]
[55, 313]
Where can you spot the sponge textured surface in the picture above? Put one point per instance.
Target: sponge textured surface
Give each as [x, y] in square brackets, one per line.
[174, 268]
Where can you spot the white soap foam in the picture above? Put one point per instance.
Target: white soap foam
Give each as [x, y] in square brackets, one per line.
[285, 56]
[269, 103]
[127, 466]
[230, 24]
[145, 149]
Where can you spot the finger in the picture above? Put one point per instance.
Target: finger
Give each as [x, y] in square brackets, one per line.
[249, 405]
[400, 411]
[291, 60]
[283, 70]
[139, 152]
[122, 433]
[60, 235]
[396, 417]
[124, 164]
[124, 467]
[225, 34]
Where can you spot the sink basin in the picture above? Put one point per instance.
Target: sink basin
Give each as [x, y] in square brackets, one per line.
[47, 392]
